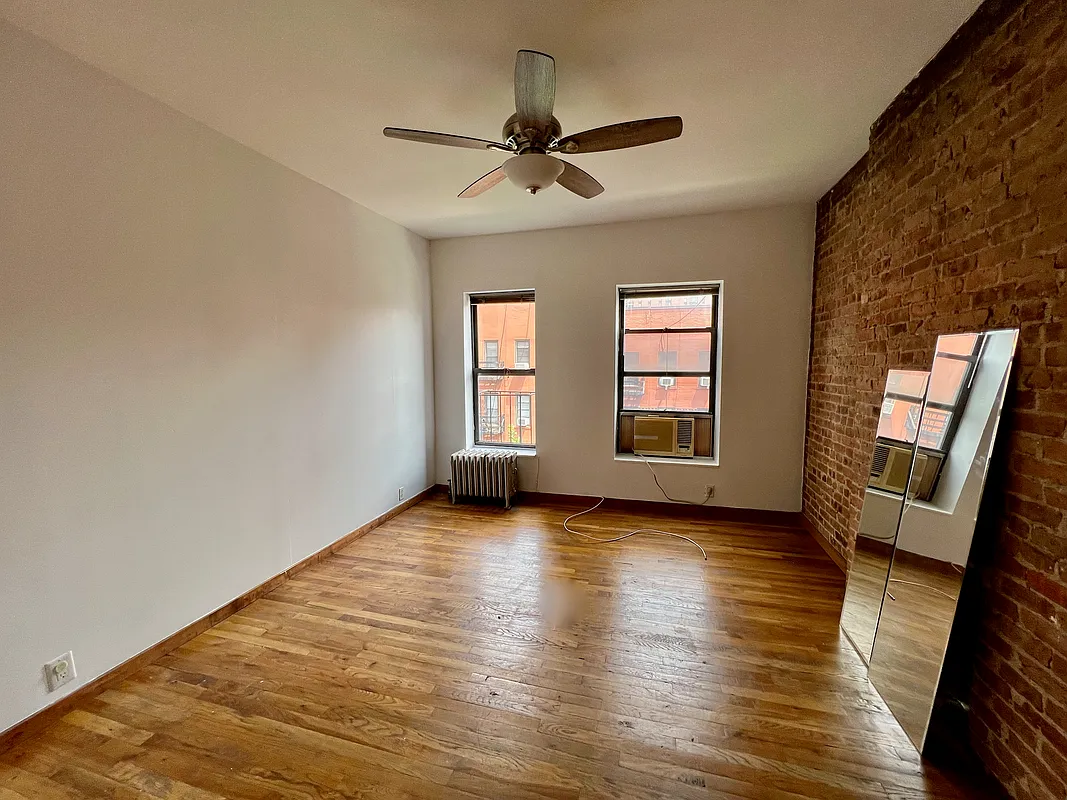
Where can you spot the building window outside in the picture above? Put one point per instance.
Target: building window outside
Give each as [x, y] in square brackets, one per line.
[524, 411]
[667, 351]
[668, 360]
[522, 354]
[504, 350]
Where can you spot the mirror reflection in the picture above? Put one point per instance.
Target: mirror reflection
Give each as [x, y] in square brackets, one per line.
[898, 426]
[933, 540]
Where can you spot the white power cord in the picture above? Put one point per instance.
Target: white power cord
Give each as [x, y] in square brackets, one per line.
[646, 531]
[922, 586]
[663, 491]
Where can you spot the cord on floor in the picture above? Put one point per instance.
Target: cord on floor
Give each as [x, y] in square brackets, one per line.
[644, 531]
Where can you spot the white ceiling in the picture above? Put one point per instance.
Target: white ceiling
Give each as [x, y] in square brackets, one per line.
[777, 96]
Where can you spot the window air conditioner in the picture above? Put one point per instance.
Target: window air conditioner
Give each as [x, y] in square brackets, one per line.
[663, 436]
[890, 468]
[666, 383]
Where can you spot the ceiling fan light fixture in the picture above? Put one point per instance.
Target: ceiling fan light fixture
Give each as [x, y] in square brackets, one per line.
[533, 172]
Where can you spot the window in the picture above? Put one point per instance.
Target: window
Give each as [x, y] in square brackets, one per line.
[633, 388]
[504, 394]
[667, 355]
[902, 405]
[490, 422]
[522, 354]
[950, 385]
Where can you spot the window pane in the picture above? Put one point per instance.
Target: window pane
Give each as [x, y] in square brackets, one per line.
[961, 344]
[935, 427]
[505, 335]
[899, 419]
[946, 379]
[654, 352]
[908, 382]
[665, 394]
[507, 410]
[673, 311]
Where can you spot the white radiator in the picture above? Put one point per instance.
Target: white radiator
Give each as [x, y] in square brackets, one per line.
[489, 474]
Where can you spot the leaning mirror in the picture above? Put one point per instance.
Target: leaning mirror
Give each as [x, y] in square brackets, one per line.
[883, 501]
[956, 435]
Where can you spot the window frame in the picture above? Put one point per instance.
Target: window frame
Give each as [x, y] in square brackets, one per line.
[477, 371]
[711, 374]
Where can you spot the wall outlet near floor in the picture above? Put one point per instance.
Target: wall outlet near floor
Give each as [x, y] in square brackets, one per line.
[709, 491]
[59, 671]
[400, 493]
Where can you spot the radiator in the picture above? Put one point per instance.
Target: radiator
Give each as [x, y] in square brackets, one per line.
[485, 474]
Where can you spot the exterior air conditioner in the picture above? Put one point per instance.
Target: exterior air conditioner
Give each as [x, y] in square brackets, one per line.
[663, 436]
[890, 468]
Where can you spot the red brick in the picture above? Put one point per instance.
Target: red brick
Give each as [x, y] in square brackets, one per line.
[1047, 587]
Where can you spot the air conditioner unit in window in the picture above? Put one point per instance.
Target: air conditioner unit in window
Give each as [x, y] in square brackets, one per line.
[705, 382]
[890, 468]
[664, 436]
[666, 383]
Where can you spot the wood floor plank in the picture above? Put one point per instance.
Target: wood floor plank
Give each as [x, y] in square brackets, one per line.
[467, 652]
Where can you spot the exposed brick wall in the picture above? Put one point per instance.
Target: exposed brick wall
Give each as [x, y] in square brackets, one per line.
[956, 220]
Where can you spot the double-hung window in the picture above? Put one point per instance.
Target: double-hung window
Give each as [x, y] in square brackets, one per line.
[522, 354]
[668, 338]
[503, 351]
[950, 386]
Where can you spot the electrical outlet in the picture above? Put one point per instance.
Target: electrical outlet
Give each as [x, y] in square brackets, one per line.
[709, 491]
[59, 671]
[400, 493]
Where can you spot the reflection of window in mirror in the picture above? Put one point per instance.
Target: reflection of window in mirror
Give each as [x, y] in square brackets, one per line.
[902, 406]
[899, 421]
[950, 381]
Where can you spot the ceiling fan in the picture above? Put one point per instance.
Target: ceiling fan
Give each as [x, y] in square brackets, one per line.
[531, 133]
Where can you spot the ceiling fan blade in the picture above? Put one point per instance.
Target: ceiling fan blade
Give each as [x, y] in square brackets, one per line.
[484, 183]
[449, 139]
[621, 135]
[579, 181]
[535, 89]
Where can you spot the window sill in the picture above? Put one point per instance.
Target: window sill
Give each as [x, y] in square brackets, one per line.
[698, 461]
[521, 452]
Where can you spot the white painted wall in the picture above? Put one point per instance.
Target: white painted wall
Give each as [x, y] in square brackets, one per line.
[764, 257]
[210, 368]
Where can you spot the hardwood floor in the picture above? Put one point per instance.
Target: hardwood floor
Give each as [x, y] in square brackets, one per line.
[477, 653]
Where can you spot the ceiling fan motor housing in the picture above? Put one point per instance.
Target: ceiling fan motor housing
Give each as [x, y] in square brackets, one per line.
[530, 139]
